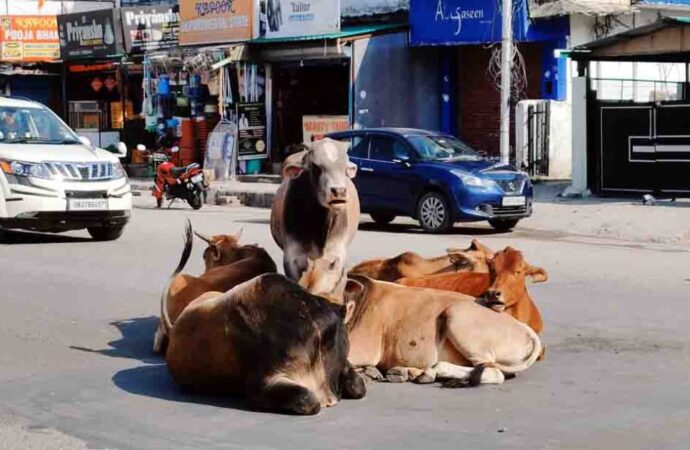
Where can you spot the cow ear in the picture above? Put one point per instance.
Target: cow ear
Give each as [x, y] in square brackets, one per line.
[351, 170]
[349, 311]
[293, 171]
[215, 252]
[353, 290]
[458, 260]
[537, 274]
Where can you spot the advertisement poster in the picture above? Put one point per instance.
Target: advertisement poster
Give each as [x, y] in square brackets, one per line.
[150, 28]
[251, 121]
[29, 38]
[215, 21]
[89, 34]
[283, 18]
[315, 128]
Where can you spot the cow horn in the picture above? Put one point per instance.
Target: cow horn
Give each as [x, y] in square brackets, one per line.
[202, 237]
[239, 234]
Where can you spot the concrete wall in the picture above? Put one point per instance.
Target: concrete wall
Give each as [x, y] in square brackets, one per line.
[403, 92]
[50, 8]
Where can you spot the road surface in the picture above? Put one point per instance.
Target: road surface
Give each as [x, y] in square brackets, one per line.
[77, 320]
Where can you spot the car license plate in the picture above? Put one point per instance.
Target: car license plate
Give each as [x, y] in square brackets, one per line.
[92, 204]
[514, 201]
[197, 178]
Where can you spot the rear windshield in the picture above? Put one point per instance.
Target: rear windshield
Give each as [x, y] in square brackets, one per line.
[435, 148]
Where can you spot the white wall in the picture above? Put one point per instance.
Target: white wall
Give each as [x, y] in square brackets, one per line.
[51, 7]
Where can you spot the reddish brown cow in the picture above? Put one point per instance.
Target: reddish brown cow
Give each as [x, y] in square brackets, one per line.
[504, 288]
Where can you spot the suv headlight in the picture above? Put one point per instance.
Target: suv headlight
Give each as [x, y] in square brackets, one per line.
[473, 181]
[118, 170]
[25, 169]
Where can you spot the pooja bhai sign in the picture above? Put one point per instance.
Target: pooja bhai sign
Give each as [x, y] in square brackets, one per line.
[315, 128]
[215, 21]
[29, 38]
[283, 18]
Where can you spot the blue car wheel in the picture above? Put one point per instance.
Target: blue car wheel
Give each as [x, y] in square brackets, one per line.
[433, 213]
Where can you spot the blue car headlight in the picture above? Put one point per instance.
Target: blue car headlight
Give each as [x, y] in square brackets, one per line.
[470, 180]
[25, 169]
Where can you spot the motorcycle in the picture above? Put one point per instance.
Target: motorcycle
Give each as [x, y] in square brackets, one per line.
[188, 183]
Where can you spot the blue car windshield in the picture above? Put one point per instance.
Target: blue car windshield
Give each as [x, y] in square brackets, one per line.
[443, 148]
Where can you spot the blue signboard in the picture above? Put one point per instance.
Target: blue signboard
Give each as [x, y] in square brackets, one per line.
[452, 22]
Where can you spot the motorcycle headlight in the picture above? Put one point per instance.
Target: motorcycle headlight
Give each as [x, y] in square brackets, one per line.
[473, 181]
[25, 169]
[118, 171]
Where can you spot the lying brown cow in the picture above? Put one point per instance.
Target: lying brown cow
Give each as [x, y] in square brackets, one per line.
[316, 209]
[504, 288]
[411, 265]
[241, 263]
[425, 335]
[221, 249]
[282, 348]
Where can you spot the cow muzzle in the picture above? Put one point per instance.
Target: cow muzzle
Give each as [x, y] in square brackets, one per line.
[337, 197]
[494, 300]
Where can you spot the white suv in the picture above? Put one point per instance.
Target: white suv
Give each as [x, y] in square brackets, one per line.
[53, 180]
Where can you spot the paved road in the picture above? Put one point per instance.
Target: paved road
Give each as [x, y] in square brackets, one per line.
[77, 319]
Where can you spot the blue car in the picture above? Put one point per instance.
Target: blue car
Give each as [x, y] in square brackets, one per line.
[434, 178]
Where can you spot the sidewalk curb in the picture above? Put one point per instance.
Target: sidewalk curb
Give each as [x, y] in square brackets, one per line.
[248, 197]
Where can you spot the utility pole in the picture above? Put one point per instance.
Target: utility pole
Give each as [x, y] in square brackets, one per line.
[506, 78]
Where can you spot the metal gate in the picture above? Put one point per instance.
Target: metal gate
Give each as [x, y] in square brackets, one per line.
[643, 148]
[538, 139]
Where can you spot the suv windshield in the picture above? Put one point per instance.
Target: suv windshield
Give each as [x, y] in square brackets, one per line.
[445, 148]
[33, 126]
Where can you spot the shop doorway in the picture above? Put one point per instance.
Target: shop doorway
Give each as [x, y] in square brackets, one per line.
[305, 89]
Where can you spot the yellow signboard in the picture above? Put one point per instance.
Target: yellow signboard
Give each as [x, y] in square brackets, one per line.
[29, 38]
[215, 21]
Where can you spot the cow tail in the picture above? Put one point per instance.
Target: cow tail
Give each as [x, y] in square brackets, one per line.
[529, 359]
[186, 252]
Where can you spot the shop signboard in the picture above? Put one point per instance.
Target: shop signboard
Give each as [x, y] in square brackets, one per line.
[449, 22]
[93, 34]
[285, 19]
[251, 121]
[359, 8]
[29, 38]
[215, 21]
[317, 127]
[150, 28]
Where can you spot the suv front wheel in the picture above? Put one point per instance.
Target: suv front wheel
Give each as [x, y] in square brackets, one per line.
[105, 233]
[434, 213]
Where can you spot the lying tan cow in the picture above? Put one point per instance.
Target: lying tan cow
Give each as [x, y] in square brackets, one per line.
[229, 264]
[504, 288]
[282, 348]
[411, 265]
[425, 335]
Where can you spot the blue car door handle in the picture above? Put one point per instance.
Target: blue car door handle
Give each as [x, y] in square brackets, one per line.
[366, 169]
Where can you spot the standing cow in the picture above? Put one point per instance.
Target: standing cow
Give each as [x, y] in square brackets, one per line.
[316, 210]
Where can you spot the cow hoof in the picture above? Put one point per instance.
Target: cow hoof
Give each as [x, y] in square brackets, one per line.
[373, 373]
[427, 377]
[398, 375]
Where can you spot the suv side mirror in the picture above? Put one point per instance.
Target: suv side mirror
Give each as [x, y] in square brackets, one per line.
[86, 141]
[122, 150]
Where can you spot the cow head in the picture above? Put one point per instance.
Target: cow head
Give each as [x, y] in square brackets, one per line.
[325, 277]
[509, 271]
[222, 249]
[328, 168]
[473, 259]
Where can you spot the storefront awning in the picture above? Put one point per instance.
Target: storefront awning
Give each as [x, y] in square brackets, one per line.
[344, 33]
[668, 39]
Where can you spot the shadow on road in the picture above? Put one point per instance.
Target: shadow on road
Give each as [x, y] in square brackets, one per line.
[11, 237]
[155, 381]
[135, 343]
[416, 229]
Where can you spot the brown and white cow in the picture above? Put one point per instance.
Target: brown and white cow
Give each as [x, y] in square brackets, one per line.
[425, 335]
[316, 209]
[229, 265]
[503, 290]
[411, 265]
[268, 340]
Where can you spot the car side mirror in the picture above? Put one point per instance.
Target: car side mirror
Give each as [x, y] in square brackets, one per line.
[122, 150]
[86, 141]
